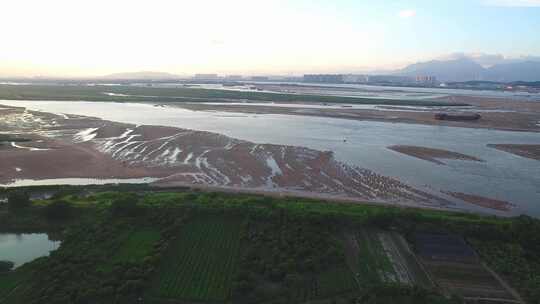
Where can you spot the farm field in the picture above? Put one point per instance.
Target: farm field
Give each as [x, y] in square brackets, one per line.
[375, 266]
[335, 281]
[137, 246]
[196, 247]
[385, 257]
[456, 269]
[201, 262]
[467, 280]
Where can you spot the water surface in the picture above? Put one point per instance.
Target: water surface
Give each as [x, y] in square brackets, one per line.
[21, 248]
[502, 175]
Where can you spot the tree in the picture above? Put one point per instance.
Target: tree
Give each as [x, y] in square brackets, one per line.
[18, 200]
[126, 206]
[6, 266]
[58, 210]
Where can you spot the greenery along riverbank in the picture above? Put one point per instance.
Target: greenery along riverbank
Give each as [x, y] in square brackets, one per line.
[131, 244]
[127, 93]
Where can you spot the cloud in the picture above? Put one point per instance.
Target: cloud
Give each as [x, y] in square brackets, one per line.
[408, 13]
[513, 3]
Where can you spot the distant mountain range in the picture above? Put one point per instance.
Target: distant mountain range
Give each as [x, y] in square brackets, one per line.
[465, 69]
[458, 69]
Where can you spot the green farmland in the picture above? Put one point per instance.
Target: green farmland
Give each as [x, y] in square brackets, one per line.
[201, 262]
[138, 245]
[130, 244]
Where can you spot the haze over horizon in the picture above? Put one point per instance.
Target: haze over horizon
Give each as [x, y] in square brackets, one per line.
[83, 39]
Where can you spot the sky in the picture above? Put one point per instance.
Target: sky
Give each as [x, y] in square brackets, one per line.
[78, 38]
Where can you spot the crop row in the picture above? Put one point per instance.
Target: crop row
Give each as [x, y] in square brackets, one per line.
[202, 261]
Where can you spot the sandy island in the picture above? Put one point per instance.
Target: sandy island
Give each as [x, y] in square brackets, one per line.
[485, 202]
[528, 151]
[431, 154]
[497, 113]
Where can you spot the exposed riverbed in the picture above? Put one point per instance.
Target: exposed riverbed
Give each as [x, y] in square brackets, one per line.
[501, 176]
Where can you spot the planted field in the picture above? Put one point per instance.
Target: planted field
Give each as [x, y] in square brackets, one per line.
[137, 246]
[408, 262]
[375, 266]
[201, 263]
[467, 280]
[335, 281]
[454, 266]
[386, 257]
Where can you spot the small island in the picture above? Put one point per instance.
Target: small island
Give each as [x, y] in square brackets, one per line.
[431, 154]
[528, 151]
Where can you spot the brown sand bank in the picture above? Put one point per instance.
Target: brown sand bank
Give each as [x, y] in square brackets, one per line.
[529, 151]
[485, 202]
[431, 154]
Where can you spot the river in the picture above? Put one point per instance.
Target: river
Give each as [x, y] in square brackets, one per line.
[502, 176]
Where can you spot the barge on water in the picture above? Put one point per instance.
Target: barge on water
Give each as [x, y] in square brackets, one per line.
[458, 116]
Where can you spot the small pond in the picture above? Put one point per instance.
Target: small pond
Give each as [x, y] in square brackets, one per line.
[21, 248]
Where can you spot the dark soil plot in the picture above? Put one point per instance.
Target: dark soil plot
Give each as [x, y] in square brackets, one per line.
[455, 267]
[443, 247]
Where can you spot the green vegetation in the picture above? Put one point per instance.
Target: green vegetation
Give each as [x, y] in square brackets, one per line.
[288, 258]
[58, 210]
[10, 280]
[18, 200]
[375, 267]
[391, 294]
[6, 266]
[180, 94]
[137, 246]
[184, 246]
[201, 262]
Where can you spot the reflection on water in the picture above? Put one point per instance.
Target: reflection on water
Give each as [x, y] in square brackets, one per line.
[502, 176]
[78, 181]
[25, 247]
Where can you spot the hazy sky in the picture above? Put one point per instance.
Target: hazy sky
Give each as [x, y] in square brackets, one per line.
[81, 37]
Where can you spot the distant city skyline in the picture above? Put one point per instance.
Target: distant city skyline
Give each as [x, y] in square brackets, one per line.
[83, 39]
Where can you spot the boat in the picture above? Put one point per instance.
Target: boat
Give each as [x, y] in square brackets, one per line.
[458, 116]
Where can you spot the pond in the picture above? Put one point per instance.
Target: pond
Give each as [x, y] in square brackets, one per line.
[21, 248]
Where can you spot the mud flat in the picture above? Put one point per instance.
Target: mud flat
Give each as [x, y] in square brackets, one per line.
[485, 202]
[529, 151]
[76, 146]
[431, 154]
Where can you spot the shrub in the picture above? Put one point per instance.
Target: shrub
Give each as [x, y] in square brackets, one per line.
[58, 210]
[18, 200]
[6, 266]
[126, 206]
